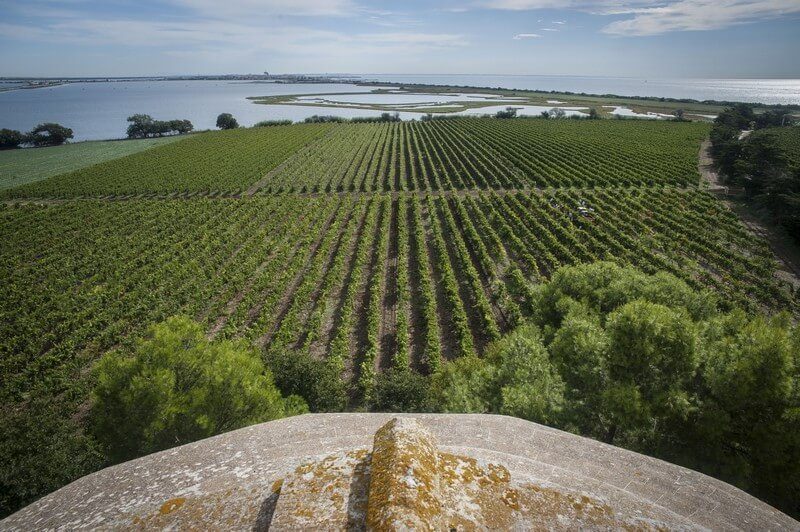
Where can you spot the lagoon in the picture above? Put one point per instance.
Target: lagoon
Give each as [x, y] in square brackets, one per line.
[97, 110]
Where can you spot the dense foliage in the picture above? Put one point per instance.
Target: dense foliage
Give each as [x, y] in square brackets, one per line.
[144, 126]
[650, 364]
[765, 163]
[179, 387]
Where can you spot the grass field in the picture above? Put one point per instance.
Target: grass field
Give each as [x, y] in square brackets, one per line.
[226, 161]
[368, 246]
[20, 167]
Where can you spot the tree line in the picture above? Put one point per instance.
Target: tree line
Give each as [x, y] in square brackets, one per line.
[751, 151]
[47, 134]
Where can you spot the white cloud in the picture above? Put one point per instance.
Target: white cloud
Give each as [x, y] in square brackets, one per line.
[520, 36]
[549, 29]
[260, 8]
[697, 15]
[176, 36]
[653, 17]
[560, 22]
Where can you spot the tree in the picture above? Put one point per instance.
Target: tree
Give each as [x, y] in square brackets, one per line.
[678, 114]
[49, 134]
[141, 126]
[526, 383]
[593, 115]
[181, 126]
[179, 387]
[227, 121]
[10, 138]
[557, 112]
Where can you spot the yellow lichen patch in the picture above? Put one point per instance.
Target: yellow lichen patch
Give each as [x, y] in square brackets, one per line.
[322, 493]
[276, 486]
[510, 498]
[404, 485]
[171, 505]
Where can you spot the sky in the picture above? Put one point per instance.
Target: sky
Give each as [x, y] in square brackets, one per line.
[626, 38]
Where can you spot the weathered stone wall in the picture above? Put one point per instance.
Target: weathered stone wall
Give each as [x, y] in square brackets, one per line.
[253, 477]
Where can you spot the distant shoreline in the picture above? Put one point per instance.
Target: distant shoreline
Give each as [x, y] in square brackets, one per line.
[36, 83]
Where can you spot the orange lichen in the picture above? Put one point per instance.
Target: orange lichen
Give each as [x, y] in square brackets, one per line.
[171, 505]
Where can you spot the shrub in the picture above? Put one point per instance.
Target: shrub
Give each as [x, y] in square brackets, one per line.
[298, 373]
[269, 123]
[527, 385]
[178, 387]
[402, 390]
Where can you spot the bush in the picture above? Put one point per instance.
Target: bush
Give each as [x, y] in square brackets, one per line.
[402, 390]
[526, 383]
[298, 373]
[322, 119]
[269, 123]
[49, 134]
[179, 387]
[227, 121]
[41, 449]
[10, 138]
[509, 112]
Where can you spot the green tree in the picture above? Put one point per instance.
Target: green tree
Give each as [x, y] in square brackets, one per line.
[178, 387]
[527, 384]
[227, 121]
[10, 138]
[464, 385]
[49, 134]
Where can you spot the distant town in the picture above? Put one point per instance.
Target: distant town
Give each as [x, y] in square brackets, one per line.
[36, 83]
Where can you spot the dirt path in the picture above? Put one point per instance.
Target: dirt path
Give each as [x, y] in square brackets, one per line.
[785, 249]
[388, 326]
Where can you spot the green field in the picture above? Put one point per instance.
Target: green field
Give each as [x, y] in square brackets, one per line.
[20, 167]
[362, 246]
[224, 161]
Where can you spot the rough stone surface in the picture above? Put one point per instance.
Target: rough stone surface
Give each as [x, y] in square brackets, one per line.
[404, 491]
[500, 472]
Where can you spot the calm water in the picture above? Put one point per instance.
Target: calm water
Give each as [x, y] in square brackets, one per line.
[773, 91]
[98, 110]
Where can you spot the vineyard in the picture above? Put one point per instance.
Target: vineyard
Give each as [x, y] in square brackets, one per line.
[366, 282]
[401, 156]
[360, 247]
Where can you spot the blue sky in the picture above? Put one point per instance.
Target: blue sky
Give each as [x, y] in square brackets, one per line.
[638, 38]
